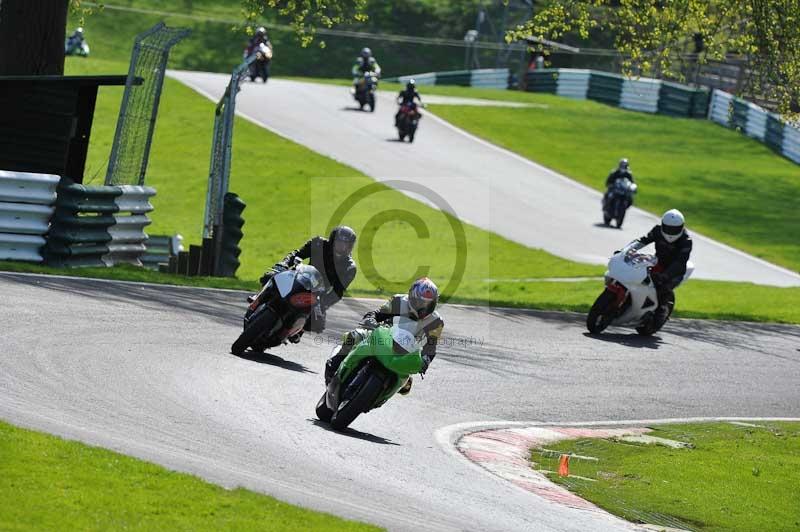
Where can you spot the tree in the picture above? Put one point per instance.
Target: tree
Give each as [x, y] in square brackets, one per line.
[659, 37]
[32, 37]
[32, 32]
[305, 16]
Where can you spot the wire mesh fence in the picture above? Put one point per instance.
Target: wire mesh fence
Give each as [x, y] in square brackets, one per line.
[222, 139]
[137, 116]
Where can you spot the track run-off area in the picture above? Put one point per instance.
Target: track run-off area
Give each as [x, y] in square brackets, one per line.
[146, 370]
[484, 185]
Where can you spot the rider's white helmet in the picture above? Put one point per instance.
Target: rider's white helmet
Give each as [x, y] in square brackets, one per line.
[672, 225]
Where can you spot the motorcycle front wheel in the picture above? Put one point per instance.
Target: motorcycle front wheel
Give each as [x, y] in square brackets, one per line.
[261, 324]
[364, 398]
[602, 312]
[323, 412]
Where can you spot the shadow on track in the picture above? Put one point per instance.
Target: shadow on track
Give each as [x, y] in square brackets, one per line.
[352, 433]
[356, 109]
[604, 226]
[628, 340]
[274, 360]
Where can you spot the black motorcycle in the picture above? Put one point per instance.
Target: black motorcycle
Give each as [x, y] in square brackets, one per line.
[280, 309]
[617, 200]
[408, 121]
[260, 67]
[364, 91]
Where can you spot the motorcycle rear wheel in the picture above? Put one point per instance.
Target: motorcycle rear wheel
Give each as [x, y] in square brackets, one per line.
[257, 327]
[602, 312]
[348, 411]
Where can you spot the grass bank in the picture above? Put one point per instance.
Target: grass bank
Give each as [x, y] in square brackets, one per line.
[730, 187]
[47, 483]
[733, 477]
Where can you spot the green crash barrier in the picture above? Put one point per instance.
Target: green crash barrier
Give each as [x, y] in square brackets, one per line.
[774, 134]
[456, 77]
[544, 81]
[680, 100]
[605, 88]
[739, 115]
[89, 229]
[231, 235]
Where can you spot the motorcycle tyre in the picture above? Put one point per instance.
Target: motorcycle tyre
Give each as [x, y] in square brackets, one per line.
[250, 334]
[363, 401]
[598, 320]
[323, 412]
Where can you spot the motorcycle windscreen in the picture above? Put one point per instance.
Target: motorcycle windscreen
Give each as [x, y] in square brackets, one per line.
[310, 278]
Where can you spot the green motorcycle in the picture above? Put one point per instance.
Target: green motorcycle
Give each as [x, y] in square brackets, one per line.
[370, 374]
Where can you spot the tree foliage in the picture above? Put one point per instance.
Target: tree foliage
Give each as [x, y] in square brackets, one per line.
[305, 16]
[657, 37]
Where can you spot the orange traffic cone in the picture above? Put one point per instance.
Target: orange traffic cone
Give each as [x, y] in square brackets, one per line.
[563, 466]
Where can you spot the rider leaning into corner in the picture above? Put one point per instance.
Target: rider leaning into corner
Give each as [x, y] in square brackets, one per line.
[365, 63]
[259, 37]
[419, 305]
[407, 97]
[673, 247]
[332, 256]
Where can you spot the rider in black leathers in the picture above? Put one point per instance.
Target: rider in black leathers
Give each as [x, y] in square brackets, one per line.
[259, 37]
[673, 248]
[622, 171]
[332, 257]
[407, 96]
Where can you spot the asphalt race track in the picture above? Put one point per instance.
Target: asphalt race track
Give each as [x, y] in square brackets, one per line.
[146, 371]
[485, 185]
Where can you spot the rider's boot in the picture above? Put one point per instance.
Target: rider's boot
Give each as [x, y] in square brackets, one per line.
[333, 363]
[406, 387]
[663, 313]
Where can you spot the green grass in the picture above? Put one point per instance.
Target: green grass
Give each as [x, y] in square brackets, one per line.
[216, 42]
[734, 477]
[730, 187]
[292, 192]
[47, 483]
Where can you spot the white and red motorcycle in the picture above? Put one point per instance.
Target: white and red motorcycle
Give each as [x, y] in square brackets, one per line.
[630, 296]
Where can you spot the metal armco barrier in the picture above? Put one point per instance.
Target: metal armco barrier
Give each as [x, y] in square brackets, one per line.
[98, 226]
[159, 249]
[640, 95]
[487, 78]
[572, 83]
[755, 122]
[644, 94]
[26, 207]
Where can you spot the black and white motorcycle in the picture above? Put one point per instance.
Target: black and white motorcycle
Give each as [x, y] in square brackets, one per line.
[629, 297]
[280, 310]
[617, 200]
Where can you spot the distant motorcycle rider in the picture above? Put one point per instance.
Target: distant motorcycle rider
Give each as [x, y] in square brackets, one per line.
[364, 64]
[407, 97]
[621, 172]
[75, 44]
[418, 305]
[332, 256]
[673, 248]
[258, 38]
